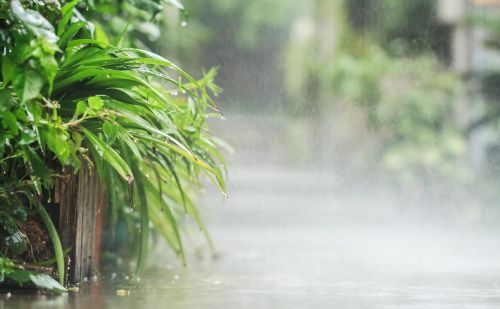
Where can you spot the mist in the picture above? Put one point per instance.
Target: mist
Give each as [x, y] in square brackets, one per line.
[362, 187]
[360, 138]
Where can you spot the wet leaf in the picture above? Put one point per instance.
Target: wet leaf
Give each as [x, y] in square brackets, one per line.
[10, 121]
[34, 21]
[46, 282]
[109, 155]
[16, 242]
[57, 141]
[81, 108]
[27, 84]
[175, 3]
[96, 103]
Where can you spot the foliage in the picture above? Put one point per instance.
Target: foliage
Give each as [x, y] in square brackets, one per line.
[383, 61]
[245, 38]
[411, 102]
[487, 77]
[69, 95]
[403, 27]
[18, 274]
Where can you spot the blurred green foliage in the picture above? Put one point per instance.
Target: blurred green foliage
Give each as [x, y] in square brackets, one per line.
[389, 60]
[411, 103]
[386, 57]
[401, 27]
[245, 39]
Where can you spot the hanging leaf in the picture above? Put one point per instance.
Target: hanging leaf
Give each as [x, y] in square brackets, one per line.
[27, 83]
[175, 3]
[109, 155]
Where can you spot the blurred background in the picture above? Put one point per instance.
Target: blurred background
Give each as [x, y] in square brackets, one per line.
[388, 97]
[366, 162]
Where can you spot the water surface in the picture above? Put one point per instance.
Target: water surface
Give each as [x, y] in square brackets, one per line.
[290, 238]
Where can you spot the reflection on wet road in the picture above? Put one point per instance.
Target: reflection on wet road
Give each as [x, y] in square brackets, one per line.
[287, 239]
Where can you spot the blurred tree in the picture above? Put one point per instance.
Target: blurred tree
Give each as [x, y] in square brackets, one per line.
[381, 56]
[245, 38]
[409, 28]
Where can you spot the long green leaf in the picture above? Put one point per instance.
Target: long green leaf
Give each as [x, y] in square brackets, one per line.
[109, 155]
[144, 219]
[56, 242]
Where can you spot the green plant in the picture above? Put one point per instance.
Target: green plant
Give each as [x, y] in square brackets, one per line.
[69, 93]
[22, 275]
[410, 102]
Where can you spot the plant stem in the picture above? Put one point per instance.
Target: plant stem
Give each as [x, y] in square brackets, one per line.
[56, 242]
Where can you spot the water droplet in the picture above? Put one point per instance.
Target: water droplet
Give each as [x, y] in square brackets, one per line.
[184, 23]
[175, 93]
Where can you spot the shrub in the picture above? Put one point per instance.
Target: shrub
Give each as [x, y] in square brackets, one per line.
[69, 94]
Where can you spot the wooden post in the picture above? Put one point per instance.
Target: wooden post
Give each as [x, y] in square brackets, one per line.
[81, 202]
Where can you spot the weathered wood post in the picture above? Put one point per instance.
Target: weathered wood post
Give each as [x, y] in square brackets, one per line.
[81, 202]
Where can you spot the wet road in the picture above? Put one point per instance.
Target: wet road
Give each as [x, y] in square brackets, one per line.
[287, 242]
[289, 238]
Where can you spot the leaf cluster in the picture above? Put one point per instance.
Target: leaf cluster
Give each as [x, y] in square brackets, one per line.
[69, 94]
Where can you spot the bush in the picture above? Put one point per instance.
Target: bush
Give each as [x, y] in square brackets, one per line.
[69, 93]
